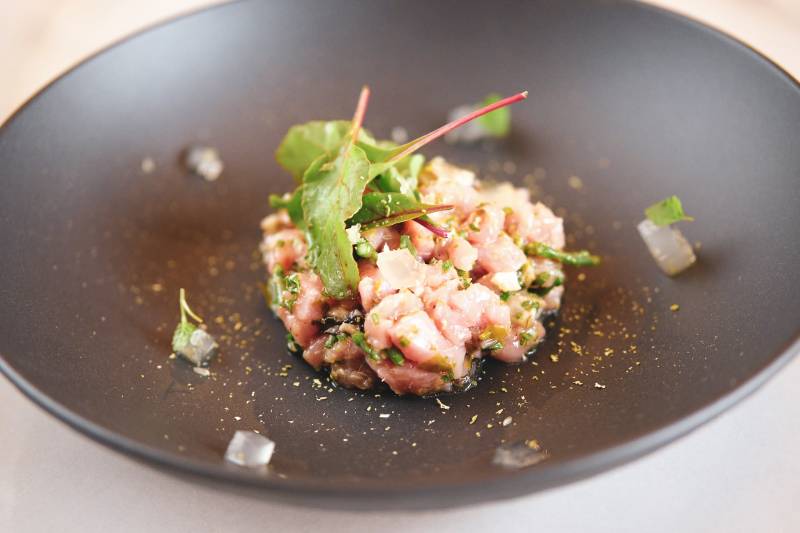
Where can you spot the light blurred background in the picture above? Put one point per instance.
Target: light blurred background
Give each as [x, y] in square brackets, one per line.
[40, 39]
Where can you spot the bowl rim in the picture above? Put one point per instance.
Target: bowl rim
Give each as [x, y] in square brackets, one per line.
[376, 492]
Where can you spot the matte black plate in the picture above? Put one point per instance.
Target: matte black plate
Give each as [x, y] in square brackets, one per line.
[637, 103]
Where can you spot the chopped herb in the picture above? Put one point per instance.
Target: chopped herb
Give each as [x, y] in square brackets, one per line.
[361, 342]
[526, 337]
[666, 212]
[466, 279]
[405, 242]
[395, 356]
[530, 305]
[505, 295]
[474, 227]
[291, 343]
[376, 318]
[331, 341]
[447, 265]
[582, 258]
[404, 342]
[508, 211]
[365, 249]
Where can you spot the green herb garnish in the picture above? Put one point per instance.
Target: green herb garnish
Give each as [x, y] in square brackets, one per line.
[331, 341]
[183, 332]
[582, 258]
[365, 249]
[405, 242]
[447, 265]
[331, 193]
[505, 295]
[498, 122]
[380, 209]
[395, 356]
[361, 341]
[335, 162]
[666, 212]
[291, 343]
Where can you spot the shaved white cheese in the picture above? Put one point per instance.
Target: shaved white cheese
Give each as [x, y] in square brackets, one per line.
[400, 269]
[668, 246]
[506, 281]
[354, 233]
[506, 195]
[447, 172]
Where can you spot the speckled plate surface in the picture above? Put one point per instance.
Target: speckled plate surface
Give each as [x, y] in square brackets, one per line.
[628, 104]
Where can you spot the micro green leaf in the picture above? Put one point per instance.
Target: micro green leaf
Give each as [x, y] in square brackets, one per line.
[498, 122]
[666, 212]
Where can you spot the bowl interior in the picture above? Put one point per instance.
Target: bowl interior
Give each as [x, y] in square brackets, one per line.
[627, 105]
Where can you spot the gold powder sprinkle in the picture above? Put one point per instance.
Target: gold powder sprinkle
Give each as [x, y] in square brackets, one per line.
[575, 182]
[674, 307]
[473, 419]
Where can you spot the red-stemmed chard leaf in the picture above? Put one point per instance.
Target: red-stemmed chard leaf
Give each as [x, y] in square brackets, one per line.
[331, 193]
[380, 209]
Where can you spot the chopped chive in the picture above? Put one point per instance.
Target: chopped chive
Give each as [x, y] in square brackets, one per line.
[405, 242]
[395, 356]
[361, 342]
[582, 258]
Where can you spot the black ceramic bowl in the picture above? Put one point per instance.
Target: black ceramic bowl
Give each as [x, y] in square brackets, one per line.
[636, 102]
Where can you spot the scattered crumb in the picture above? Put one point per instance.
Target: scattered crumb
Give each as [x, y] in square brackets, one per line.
[201, 371]
[507, 421]
[148, 165]
[443, 406]
[575, 182]
[674, 307]
[599, 386]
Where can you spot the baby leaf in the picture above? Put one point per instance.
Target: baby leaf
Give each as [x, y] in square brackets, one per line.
[666, 212]
[385, 209]
[305, 142]
[331, 194]
[292, 204]
[182, 335]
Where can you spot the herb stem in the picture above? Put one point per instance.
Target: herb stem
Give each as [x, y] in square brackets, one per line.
[358, 116]
[581, 258]
[433, 228]
[415, 145]
[185, 309]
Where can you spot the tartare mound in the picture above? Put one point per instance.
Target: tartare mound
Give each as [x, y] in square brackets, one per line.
[429, 304]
